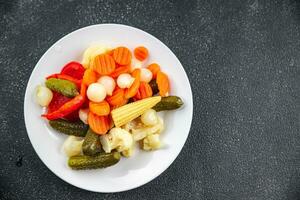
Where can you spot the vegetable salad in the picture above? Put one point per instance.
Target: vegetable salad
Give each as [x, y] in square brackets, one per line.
[107, 104]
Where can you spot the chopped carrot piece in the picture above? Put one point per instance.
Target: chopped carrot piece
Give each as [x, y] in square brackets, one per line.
[122, 55]
[99, 124]
[117, 98]
[131, 92]
[103, 64]
[154, 68]
[145, 90]
[163, 84]
[100, 109]
[120, 70]
[83, 89]
[89, 77]
[111, 52]
[120, 104]
[141, 53]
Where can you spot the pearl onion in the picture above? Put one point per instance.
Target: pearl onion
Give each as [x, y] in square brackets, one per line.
[43, 95]
[96, 92]
[146, 75]
[135, 64]
[109, 84]
[149, 118]
[125, 80]
[83, 115]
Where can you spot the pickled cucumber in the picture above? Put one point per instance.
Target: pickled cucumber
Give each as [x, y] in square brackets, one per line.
[66, 88]
[154, 86]
[168, 103]
[92, 162]
[78, 129]
[91, 145]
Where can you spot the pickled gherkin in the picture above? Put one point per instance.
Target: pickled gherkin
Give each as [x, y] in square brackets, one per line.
[168, 103]
[101, 160]
[64, 87]
[78, 129]
[91, 145]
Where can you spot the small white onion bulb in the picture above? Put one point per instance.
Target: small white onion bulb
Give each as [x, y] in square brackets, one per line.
[43, 95]
[109, 84]
[146, 75]
[149, 118]
[125, 80]
[96, 92]
[83, 115]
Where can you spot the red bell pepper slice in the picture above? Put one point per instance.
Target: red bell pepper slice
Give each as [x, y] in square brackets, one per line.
[66, 109]
[66, 77]
[74, 69]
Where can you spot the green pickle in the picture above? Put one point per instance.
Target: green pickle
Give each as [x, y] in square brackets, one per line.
[91, 144]
[102, 160]
[78, 129]
[154, 86]
[168, 103]
[66, 88]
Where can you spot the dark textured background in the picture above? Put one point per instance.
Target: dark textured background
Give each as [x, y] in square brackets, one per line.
[242, 58]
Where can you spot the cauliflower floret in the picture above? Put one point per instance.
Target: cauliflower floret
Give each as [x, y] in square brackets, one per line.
[141, 133]
[151, 142]
[117, 138]
[73, 146]
[93, 51]
[128, 152]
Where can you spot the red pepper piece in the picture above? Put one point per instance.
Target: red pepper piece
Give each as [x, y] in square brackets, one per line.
[66, 77]
[74, 69]
[66, 108]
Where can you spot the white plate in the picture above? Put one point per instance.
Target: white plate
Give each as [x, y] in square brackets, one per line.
[143, 166]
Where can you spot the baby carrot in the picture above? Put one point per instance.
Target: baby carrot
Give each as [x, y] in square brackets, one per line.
[122, 55]
[141, 53]
[130, 92]
[163, 84]
[154, 68]
[99, 124]
[101, 109]
[103, 64]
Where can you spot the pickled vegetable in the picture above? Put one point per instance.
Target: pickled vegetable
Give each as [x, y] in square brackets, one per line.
[66, 88]
[154, 86]
[91, 145]
[102, 160]
[78, 129]
[168, 103]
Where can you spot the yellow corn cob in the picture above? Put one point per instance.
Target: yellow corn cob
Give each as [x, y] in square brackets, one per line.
[128, 112]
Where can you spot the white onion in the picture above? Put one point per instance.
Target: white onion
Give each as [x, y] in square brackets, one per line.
[96, 92]
[43, 95]
[149, 118]
[83, 115]
[125, 80]
[146, 75]
[109, 84]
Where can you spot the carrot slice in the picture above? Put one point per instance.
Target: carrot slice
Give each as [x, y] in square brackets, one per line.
[154, 68]
[130, 92]
[99, 124]
[117, 98]
[145, 90]
[100, 109]
[141, 53]
[163, 84]
[120, 104]
[122, 55]
[89, 77]
[120, 70]
[103, 64]
[111, 52]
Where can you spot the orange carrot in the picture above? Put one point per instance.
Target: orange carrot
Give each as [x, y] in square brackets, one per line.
[141, 53]
[117, 98]
[154, 68]
[103, 64]
[99, 124]
[89, 77]
[111, 52]
[163, 84]
[145, 90]
[100, 109]
[122, 55]
[120, 104]
[130, 92]
[83, 89]
[120, 70]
